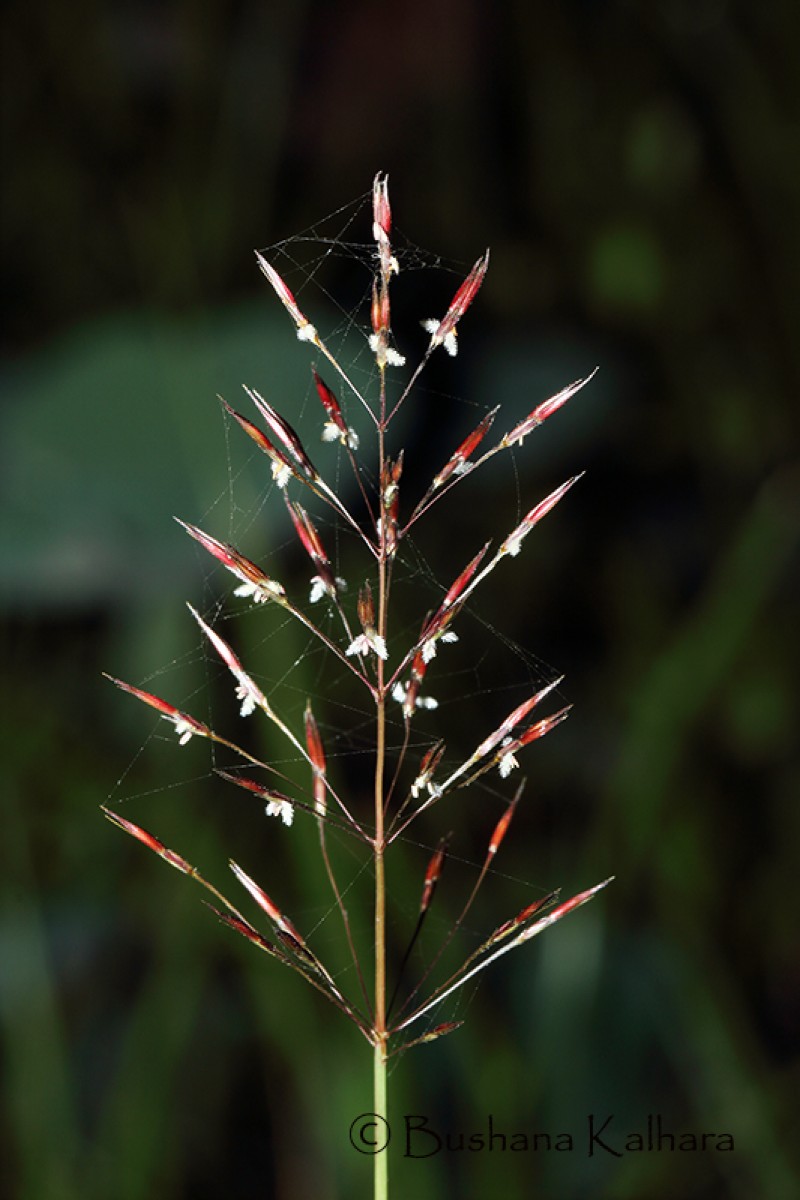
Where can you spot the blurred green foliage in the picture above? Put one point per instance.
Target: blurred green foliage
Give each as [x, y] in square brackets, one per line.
[635, 170]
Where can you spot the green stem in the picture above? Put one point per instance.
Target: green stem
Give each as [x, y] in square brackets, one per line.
[381, 1160]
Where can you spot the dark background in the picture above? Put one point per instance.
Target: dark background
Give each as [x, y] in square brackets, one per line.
[634, 169]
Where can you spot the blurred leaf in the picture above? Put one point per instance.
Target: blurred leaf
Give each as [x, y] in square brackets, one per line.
[115, 427]
[626, 269]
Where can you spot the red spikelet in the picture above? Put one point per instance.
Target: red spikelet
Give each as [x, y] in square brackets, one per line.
[257, 584]
[432, 875]
[501, 828]
[316, 753]
[282, 923]
[305, 330]
[337, 429]
[282, 464]
[543, 411]
[152, 843]
[458, 464]
[185, 726]
[514, 540]
[284, 433]
[461, 301]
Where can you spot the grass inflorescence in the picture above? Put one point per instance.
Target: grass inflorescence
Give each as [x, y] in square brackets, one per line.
[389, 1008]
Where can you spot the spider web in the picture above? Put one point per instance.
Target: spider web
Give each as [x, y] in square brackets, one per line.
[330, 272]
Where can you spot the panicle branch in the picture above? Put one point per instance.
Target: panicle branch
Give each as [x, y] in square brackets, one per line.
[528, 932]
[479, 761]
[293, 952]
[260, 588]
[431, 1036]
[291, 939]
[497, 837]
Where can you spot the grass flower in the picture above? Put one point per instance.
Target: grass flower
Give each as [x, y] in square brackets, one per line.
[356, 634]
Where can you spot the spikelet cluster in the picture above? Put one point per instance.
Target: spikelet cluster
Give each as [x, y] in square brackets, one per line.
[361, 644]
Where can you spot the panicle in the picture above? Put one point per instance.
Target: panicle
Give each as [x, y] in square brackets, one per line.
[290, 461]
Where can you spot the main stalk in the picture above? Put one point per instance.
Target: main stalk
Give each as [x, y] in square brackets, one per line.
[381, 1158]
